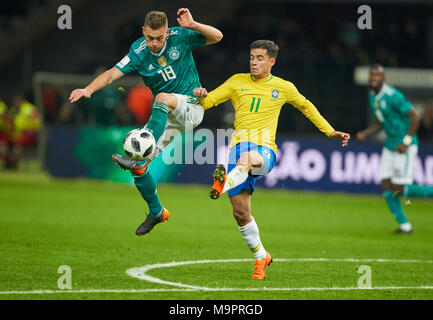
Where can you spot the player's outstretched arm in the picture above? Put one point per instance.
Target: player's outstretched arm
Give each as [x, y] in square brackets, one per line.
[100, 82]
[216, 96]
[212, 35]
[341, 136]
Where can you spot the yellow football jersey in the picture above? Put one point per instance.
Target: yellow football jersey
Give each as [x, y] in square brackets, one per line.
[257, 104]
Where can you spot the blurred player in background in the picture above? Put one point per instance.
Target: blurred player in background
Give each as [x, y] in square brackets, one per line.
[163, 57]
[5, 127]
[19, 128]
[395, 115]
[257, 99]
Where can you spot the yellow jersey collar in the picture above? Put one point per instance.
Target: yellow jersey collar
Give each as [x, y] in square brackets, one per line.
[261, 80]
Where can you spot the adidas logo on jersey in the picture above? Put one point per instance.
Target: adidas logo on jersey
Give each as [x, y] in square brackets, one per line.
[151, 67]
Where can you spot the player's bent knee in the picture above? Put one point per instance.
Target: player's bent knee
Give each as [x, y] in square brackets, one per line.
[169, 99]
[162, 97]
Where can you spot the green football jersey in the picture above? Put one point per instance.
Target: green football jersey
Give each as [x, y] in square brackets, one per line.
[390, 107]
[172, 70]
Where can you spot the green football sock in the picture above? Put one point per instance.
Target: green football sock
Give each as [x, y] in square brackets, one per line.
[147, 187]
[395, 207]
[158, 119]
[414, 190]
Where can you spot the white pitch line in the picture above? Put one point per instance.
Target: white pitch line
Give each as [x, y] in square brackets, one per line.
[211, 289]
[140, 273]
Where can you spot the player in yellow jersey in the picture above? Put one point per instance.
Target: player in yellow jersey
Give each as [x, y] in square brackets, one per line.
[257, 98]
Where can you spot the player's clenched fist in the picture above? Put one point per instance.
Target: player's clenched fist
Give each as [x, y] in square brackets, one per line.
[77, 94]
[200, 92]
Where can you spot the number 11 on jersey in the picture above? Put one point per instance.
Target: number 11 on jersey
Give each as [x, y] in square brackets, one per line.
[167, 73]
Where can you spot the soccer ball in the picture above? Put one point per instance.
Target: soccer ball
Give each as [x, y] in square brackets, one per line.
[139, 144]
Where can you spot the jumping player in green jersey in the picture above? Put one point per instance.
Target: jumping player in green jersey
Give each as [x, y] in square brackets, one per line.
[395, 115]
[163, 58]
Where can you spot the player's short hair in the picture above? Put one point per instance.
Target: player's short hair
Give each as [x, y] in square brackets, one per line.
[378, 67]
[270, 46]
[156, 20]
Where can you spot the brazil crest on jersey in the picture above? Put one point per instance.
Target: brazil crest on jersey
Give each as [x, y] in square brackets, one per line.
[172, 70]
[390, 107]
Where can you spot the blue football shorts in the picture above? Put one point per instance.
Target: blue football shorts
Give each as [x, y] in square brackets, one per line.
[235, 153]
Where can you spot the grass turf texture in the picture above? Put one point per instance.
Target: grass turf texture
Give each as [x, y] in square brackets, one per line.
[90, 226]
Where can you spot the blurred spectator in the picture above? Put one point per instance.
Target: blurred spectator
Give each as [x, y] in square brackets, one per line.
[384, 57]
[50, 102]
[411, 36]
[350, 36]
[6, 125]
[335, 56]
[68, 114]
[100, 109]
[103, 103]
[140, 100]
[394, 37]
[21, 124]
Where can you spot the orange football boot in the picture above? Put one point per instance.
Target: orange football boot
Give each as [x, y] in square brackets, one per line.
[260, 266]
[151, 222]
[219, 179]
[127, 163]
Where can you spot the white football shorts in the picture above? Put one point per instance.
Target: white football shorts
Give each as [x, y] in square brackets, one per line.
[398, 166]
[187, 115]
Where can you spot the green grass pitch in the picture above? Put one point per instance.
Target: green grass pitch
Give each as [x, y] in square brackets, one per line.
[90, 227]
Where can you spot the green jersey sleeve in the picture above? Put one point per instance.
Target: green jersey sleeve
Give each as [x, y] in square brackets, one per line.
[400, 104]
[129, 63]
[195, 38]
